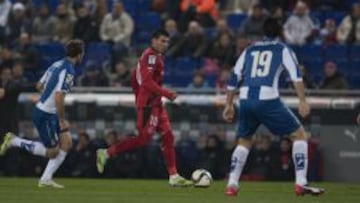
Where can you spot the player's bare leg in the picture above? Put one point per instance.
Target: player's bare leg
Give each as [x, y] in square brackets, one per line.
[238, 161]
[46, 179]
[300, 157]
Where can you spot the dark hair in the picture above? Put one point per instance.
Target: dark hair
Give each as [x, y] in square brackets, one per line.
[159, 33]
[272, 28]
[74, 48]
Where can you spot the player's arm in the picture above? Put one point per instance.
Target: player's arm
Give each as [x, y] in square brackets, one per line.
[148, 82]
[61, 89]
[291, 65]
[233, 84]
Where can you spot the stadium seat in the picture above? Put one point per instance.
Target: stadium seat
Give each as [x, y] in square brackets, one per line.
[234, 20]
[354, 52]
[185, 65]
[314, 67]
[308, 52]
[143, 5]
[52, 50]
[98, 51]
[335, 52]
[148, 22]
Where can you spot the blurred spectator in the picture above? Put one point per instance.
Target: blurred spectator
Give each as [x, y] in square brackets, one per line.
[111, 138]
[259, 166]
[116, 28]
[193, 44]
[252, 27]
[222, 28]
[81, 158]
[299, 27]
[18, 72]
[242, 6]
[122, 76]
[203, 11]
[85, 27]
[241, 44]
[43, 26]
[18, 23]
[222, 80]
[333, 78]
[6, 57]
[175, 35]
[64, 24]
[93, 77]
[100, 10]
[223, 51]
[211, 157]
[9, 102]
[5, 7]
[328, 32]
[27, 52]
[282, 163]
[278, 14]
[198, 82]
[273, 5]
[349, 28]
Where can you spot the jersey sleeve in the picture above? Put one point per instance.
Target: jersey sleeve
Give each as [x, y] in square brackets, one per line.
[44, 77]
[236, 74]
[149, 64]
[291, 64]
[65, 82]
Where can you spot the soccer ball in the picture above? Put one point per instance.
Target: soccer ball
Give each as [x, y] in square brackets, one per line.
[201, 178]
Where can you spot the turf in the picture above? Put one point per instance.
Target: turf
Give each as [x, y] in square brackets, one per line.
[24, 190]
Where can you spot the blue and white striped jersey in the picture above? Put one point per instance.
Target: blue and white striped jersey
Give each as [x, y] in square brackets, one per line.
[59, 77]
[258, 69]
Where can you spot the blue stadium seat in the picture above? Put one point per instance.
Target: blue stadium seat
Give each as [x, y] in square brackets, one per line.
[52, 50]
[148, 22]
[336, 52]
[185, 65]
[234, 20]
[98, 51]
[308, 52]
[314, 67]
[143, 5]
[354, 52]
[355, 66]
[178, 80]
[354, 81]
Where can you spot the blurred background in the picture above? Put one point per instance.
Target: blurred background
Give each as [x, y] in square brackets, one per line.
[207, 37]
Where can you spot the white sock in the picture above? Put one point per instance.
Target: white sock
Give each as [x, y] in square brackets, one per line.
[33, 147]
[173, 176]
[53, 165]
[238, 161]
[300, 157]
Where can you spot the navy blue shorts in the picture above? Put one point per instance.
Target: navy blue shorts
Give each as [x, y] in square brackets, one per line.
[272, 113]
[47, 125]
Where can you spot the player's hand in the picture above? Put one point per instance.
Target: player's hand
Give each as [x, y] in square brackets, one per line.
[173, 95]
[2, 93]
[358, 119]
[304, 109]
[64, 125]
[228, 113]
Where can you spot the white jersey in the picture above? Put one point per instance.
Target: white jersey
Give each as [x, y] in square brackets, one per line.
[59, 77]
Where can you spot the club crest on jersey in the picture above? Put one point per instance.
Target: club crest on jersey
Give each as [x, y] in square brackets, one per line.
[69, 80]
[151, 59]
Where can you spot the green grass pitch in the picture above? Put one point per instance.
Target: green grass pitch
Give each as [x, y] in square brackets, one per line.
[24, 190]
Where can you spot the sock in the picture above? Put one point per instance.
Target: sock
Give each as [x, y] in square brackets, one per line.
[168, 151]
[173, 176]
[53, 165]
[300, 157]
[33, 147]
[238, 161]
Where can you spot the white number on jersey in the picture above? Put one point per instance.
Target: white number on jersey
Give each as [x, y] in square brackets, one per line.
[261, 59]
